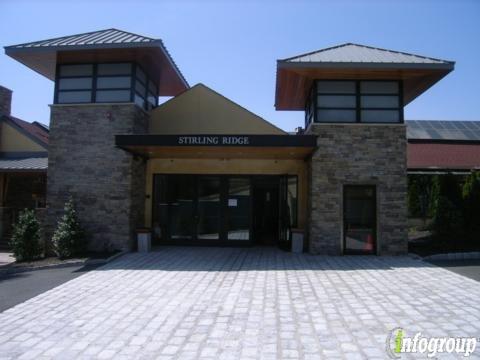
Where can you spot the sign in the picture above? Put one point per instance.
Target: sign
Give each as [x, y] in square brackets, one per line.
[232, 203]
[224, 140]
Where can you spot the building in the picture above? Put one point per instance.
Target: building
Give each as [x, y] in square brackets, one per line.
[23, 165]
[200, 169]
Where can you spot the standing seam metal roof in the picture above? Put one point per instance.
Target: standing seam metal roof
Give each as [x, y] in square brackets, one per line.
[355, 53]
[108, 36]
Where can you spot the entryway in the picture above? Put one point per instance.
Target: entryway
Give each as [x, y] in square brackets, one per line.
[223, 210]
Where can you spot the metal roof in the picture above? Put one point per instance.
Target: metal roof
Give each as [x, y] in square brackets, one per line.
[355, 53]
[42, 56]
[443, 130]
[108, 36]
[24, 164]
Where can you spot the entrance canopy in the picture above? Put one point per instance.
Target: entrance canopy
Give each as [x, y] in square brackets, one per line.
[218, 146]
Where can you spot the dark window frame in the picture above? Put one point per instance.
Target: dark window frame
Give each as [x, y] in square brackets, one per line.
[313, 97]
[94, 89]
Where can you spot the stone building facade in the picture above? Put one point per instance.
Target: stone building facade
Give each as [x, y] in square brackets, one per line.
[106, 183]
[358, 155]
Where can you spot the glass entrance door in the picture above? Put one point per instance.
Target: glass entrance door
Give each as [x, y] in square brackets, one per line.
[208, 208]
[359, 219]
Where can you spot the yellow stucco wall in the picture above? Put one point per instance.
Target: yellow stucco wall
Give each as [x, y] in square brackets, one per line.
[13, 140]
[201, 110]
[229, 167]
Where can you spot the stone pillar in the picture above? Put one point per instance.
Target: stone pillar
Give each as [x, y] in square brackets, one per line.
[106, 183]
[5, 101]
[360, 154]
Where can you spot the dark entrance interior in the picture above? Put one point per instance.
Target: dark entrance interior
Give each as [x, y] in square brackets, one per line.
[266, 212]
[224, 210]
[359, 206]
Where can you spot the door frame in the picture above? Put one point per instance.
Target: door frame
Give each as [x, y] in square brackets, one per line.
[375, 221]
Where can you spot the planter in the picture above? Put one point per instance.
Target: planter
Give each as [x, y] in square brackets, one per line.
[144, 240]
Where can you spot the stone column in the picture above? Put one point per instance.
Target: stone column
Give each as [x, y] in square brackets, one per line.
[106, 183]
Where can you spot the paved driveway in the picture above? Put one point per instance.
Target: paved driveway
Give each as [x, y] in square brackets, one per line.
[220, 303]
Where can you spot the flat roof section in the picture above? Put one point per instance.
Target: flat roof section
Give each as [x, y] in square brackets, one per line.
[219, 146]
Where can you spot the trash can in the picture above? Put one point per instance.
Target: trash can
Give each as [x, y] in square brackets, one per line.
[297, 240]
[144, 240]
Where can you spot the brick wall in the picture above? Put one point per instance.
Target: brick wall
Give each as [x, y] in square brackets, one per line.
[107, 183]
[358, 154]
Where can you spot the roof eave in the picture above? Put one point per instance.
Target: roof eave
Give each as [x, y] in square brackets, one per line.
[364, 65]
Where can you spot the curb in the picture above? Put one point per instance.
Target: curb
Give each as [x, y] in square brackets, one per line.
[454, 256]
[12, 270]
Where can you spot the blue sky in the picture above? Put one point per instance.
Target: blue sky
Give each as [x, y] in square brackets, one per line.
[232, 46]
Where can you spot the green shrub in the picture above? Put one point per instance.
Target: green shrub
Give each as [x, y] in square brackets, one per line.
[25, 241]
[471, 207]
[419, 196]
[69, 238]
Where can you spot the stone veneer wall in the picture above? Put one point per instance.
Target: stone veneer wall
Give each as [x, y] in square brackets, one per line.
[107, 183]
[358, 155]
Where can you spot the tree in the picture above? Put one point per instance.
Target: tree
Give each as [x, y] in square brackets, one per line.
[69, 238]
[471, 207]
[25, 241]
[448, 224]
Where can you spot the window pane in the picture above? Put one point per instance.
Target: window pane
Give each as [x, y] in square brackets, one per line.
[379, 101]
[208, 221]
[336, 115]
[238, 209]
[152, 87]
[152, 99]
[379, 116]
[141, 75]
[292, 200]
[114, 69]
[139, 100]
[139, 88]
[336, 87]
[113, 82]
[76, 83]
[74, 97]
[113, 95]
[76, 70]
[336, 101]
[379, 87]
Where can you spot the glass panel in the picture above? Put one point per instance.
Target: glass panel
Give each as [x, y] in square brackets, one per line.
[336, 87]
[379, 87]
[75, 83]
[113, 95]
[379, 116]
[208, 208]
[160, 208]
[113, 82]
[336, 101]
[141, 75]
[139, 100]
[359, 221]
[139, 88]
[114, 69]
[238, 209]
[74, 97]
[76, 70]
[152, 87]
[152, 99]
[379, 101]
[292, 204]
[181, 191]
[336, 115]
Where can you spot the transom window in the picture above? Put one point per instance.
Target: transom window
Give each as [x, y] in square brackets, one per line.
[105, 83]
[353, 101]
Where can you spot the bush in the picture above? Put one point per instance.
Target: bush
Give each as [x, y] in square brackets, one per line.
[25, 240]
[419, 196]
[69, 238]
[471, 207]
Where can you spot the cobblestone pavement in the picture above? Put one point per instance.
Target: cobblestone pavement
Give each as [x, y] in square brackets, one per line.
[226, 303]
